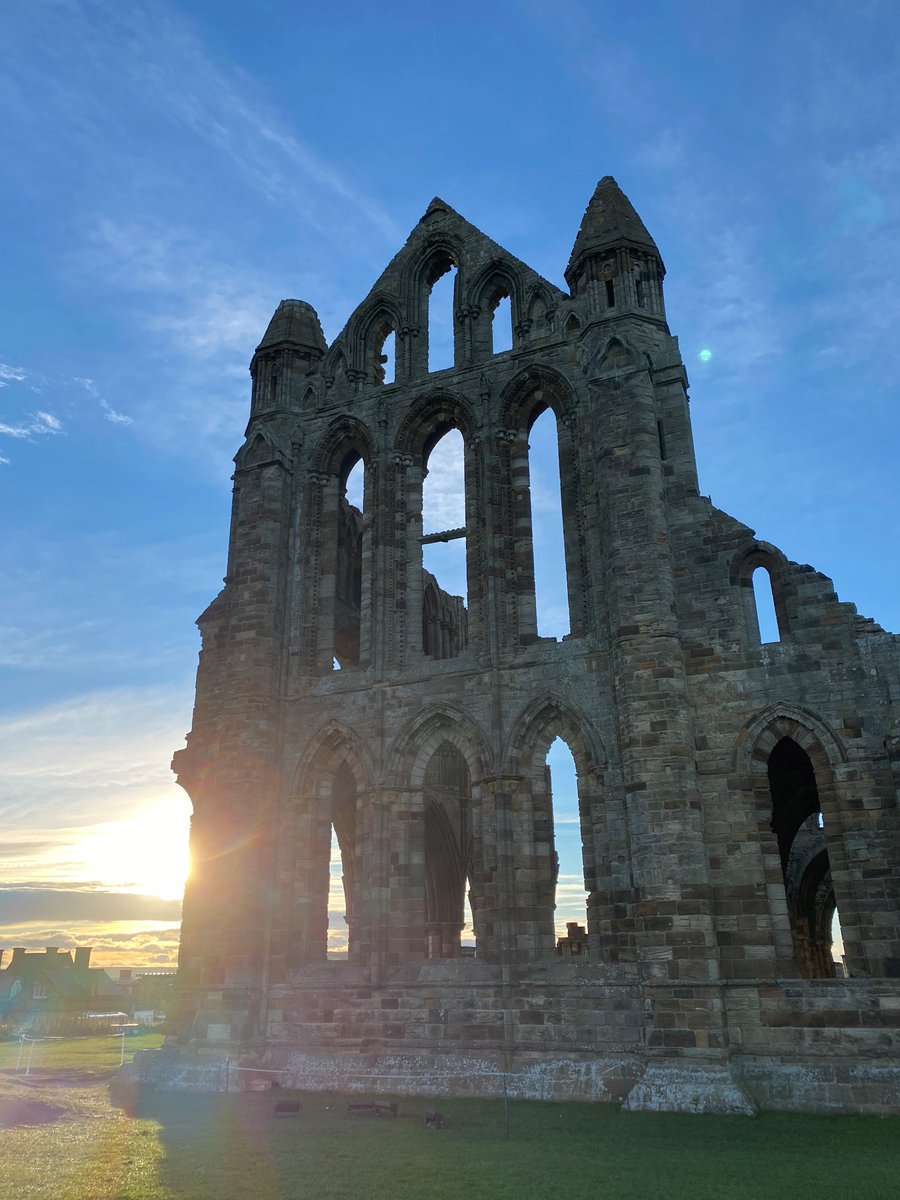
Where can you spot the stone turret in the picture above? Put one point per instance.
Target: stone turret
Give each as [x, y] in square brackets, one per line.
[615, 262]
[292, 346]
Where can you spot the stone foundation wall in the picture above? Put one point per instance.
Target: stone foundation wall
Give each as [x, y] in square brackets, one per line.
[562, 1031]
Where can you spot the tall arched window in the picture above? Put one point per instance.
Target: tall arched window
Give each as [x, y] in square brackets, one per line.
[448, 851]
[444, 559]
[341, 872]
[550, 580]
[798, 824]
[387, 360]
[441, 318]
[761, 574]
[570, 896]
[501, 326]
[764, 599]
[348, 598]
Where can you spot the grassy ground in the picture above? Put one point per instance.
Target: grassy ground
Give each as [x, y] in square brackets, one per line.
[154, 1146]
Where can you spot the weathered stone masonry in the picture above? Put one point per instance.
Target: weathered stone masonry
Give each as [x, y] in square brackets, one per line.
[731, 792]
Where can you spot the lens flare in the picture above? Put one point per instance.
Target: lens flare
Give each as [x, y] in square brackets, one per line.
[705, 355]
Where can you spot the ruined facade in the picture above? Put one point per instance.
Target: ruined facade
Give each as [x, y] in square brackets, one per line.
[731, 792]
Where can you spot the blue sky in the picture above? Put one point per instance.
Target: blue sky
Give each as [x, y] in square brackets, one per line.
[172, 170]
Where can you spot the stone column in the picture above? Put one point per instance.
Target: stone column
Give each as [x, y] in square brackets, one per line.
[673, 911]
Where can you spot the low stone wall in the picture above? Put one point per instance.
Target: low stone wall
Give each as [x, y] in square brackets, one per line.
[566, 1031]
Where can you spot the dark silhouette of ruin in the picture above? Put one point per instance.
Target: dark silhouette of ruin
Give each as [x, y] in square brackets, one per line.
[732, 792]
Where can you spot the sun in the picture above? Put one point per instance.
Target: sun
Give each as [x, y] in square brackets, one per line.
[146, 854]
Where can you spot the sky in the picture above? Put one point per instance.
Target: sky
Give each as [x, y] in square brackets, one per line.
[170, 171]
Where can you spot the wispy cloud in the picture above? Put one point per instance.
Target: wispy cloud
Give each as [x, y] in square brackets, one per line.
[10, 374]
[37, 423]
[111, 414]
[95, 757]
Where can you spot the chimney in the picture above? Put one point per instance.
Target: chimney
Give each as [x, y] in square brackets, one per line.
[82, 957]
[18, 958]
[51, 952]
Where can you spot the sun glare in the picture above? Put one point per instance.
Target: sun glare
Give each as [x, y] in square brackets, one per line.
[147, 854]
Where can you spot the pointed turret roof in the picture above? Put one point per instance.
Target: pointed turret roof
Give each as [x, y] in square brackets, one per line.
[296, 323]
[609, 220]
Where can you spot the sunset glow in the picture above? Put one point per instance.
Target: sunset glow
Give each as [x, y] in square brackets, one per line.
[147, 854]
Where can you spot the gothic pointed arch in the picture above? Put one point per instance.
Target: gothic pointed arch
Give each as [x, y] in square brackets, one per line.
[332, 746]
[345, 438]
[430, 416]
[497, 278]
[544, 719]
[530, 392]
[369, 327]
[336, 363]
[538, 308]
[438, 254]
[408, 757]
[762, 732]
[616, 354]
[261, 448]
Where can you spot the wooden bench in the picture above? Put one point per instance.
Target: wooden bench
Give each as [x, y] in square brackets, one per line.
[287, 1108]
[371, 1108]
[433, 1119]
[360, 1108]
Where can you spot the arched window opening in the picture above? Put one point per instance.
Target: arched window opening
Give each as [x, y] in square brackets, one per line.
[348, 584]
[444, 608]
[797, 824]
[384, 368]
[448, 853]
[501, 325]
[354, 487]
[550, 586]
[342, 865]
[573, 326]
[562, 814]
[639, 291]
[338, 925]
[610, 294]
[441, 318]
[764, 598]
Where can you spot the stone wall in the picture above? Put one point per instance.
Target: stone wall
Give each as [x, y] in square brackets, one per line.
[731, 793]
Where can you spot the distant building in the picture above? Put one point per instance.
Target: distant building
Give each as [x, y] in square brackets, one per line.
[574, 943]
[47, 990]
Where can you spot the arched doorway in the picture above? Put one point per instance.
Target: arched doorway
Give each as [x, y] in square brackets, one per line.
[798, 825]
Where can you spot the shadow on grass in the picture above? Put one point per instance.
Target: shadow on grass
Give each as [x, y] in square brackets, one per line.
[226, 1147]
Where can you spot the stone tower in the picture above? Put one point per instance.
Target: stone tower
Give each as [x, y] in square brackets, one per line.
[731, 792]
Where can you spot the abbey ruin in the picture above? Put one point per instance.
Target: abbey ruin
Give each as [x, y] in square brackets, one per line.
[731, 792]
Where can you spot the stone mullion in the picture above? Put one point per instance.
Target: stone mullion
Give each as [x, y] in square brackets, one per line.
[476, 559]
[405, 342]
[327, 560]
[610, 903]
[311, 875]
[368, 634]
[372, 858]
[521, 569]
[575, 539]
[312, 512]
[776, 903]
[477, 867]
[863, 867]
[519, 882]
[400, 857]
[406, 609]
[674, 920]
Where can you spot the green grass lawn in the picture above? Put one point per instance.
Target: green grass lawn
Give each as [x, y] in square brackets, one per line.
[159, 1146]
